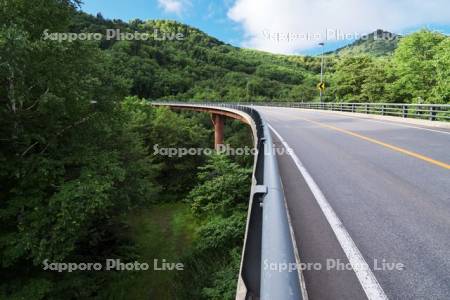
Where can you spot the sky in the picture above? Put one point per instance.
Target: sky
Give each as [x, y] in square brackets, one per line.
[285, 26]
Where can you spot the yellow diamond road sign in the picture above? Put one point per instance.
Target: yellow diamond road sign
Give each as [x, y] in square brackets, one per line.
[321, 86]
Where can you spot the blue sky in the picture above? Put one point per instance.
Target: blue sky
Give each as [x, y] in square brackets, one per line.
[259, 24]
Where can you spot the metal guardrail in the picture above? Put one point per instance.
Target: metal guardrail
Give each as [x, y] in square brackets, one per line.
[268, 241]
[431, 112]
[268, 247]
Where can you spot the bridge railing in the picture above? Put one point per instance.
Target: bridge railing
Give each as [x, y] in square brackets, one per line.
[431, 112]
[269, 269]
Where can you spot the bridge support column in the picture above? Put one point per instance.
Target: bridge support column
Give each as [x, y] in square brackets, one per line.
[218, 121]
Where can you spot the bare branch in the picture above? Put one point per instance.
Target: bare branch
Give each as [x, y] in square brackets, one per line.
[29, 148]
[37, 100]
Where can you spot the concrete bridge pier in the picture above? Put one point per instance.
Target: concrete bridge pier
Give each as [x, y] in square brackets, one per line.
[218, 121]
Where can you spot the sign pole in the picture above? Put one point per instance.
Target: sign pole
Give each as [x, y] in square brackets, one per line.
[321, 71]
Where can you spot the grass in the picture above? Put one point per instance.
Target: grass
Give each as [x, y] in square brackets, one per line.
[165, 231]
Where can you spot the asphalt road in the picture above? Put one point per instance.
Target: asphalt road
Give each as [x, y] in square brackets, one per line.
[389, 185]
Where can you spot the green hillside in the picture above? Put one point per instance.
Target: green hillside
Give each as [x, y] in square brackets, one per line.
[377, 43]
[201, 67]
[80, 180]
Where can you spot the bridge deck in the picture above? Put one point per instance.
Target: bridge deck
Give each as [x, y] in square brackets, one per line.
[388, 183]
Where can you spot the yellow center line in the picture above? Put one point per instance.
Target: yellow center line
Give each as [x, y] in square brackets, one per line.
[392, 147]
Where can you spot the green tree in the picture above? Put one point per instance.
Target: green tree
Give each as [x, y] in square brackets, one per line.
[219, 202]
[304, 92]
[441, 92]
[415, 67]
[220, 188]
[171, 130]
[348, 79]
[69, 165]
[378, 76]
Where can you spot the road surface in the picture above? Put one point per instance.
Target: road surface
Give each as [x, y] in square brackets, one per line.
[388, 185]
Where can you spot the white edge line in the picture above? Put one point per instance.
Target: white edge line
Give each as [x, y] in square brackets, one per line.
[362, 270]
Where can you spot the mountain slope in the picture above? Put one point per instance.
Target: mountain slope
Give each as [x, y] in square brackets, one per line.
[200, 66]
[377, 43]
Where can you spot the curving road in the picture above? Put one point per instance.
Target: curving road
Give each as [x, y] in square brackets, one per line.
[370, 191]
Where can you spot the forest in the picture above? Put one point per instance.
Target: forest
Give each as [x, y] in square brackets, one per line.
[404, 69]
[79, 181]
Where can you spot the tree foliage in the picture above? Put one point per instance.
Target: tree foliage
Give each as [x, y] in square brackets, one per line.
[219, 202]
[416, 73]
[74, 155]
[77, 139]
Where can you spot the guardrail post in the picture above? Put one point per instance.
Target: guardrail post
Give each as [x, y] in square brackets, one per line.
[405, 111]
[366, 108]
[382, 109]
[353, 107]
[432, 113]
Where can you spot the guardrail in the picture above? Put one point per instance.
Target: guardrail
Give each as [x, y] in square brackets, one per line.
[268, 245]
[431, 112]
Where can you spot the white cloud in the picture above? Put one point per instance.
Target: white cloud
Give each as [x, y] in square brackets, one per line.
[172, 6]
[263, 19]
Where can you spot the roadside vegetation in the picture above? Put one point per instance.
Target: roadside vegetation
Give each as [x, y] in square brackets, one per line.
[80, 182]
[417, 71]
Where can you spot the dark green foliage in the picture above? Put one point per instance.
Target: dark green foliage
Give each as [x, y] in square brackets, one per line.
[382, 67]
[36, 16]
[74, 155]
[219, 202]
[224, 279]
[220, 190]
[198, 67]
[282, 74]
[239, 135]
[170, 130]
[76, 150]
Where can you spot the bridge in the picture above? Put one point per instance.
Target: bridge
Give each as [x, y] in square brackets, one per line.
[363, 195]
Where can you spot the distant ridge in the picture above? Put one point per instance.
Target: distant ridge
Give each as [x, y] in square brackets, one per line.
[377, 43]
